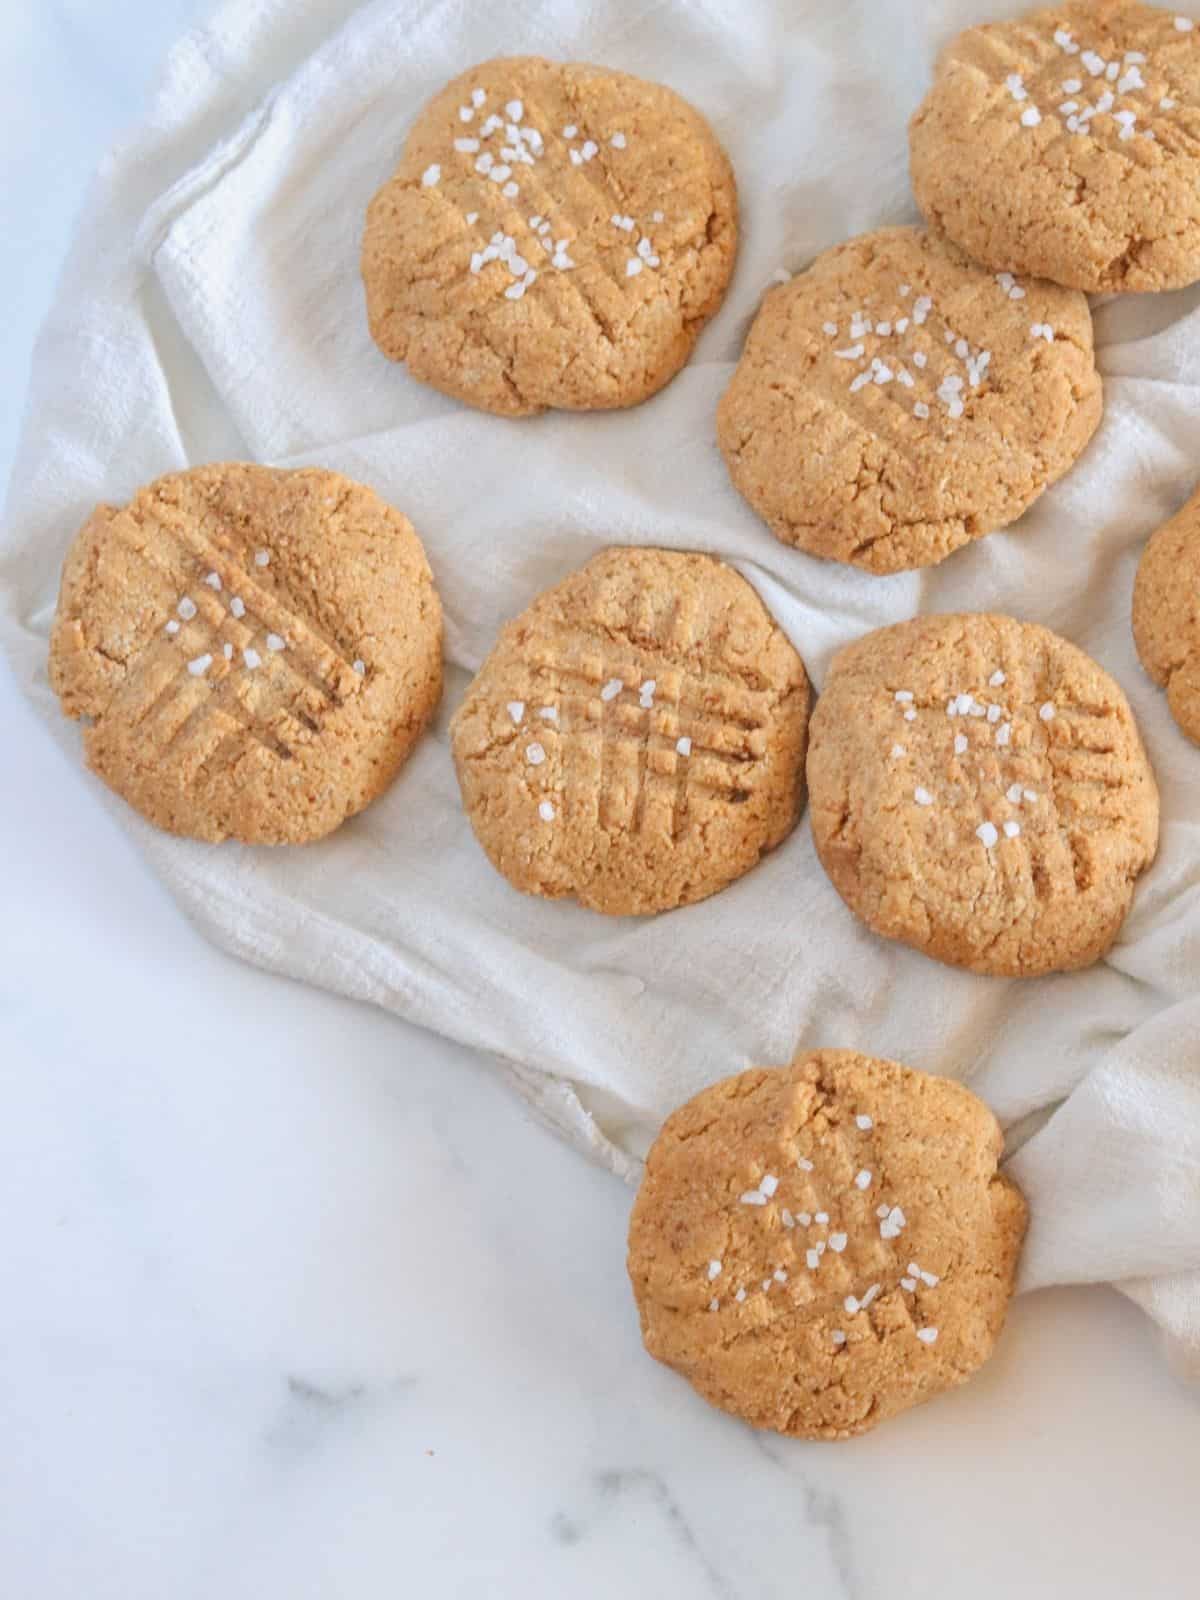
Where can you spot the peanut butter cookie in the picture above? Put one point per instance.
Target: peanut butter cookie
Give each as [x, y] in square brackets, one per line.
[556, 235]
[818, 1247]
[636, 738]
[1066, 144]
[896, 401]
[254, 651]
[1166, 613]
[979, 791]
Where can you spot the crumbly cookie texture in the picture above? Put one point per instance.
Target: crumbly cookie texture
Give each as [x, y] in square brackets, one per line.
[254, 651]
[636, 738]
[896, 401]
[1166, 613]
[818, 1247]
[979, 790]
[556, 235]
[1066, 144]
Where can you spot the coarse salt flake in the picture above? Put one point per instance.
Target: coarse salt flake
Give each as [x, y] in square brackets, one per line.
[611, 689]
[804, 1164]
[769, 1184]
[922, 797]
[252, 659]
[1184, 24]
[172, 626]
[187, 608]
[987, 832]
[862, 1180]
[812, 1259]
[227, 650]
[617, 141]
[837, 1242]
[904, 696]
[237, 606]
[275, 642]
[864, 1121]
[199, 665]
[535, 754]
[821, 1217]
[1048, 712]
[684, 745]
[632, 267]
[714, 1270]
[1011, 829]
[960, 744]
[753, 1197]
[431, 175]
[360, 666]
[829, 328]
[262, 558]
[516, 709]
[838, 1336]
[927, 1335]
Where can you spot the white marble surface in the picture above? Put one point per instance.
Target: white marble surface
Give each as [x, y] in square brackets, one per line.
[298, 1302]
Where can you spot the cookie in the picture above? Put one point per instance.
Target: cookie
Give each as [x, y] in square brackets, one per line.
[254, 652]
[818, 1247]
[556, 235]
[979, 791]
[636, 738]
[1066, 144]
[896, 401]
[1166, 616]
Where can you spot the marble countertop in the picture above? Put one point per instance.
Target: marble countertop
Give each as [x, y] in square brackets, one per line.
[298, 1301]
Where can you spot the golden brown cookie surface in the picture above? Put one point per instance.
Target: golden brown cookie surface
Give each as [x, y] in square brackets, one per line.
[818, 1247]
[255, 651]
[896, 401]
[1066, 144]
[636, 738]
[556, 235]
[979, 790]
[1166, 613]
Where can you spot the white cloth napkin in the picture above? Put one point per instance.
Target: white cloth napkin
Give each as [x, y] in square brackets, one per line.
[212, 308]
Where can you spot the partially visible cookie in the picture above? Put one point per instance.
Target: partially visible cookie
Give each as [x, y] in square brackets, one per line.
[979, 790]
[896, 401]
[818, 1247]
[1066, 144]
[1166, 613]
[556, 235]
[636, 738]
[254, 651]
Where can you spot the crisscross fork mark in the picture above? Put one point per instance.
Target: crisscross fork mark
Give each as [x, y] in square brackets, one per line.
[537, 200]
[271, 613]
[577, 691]
[1045, 84]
